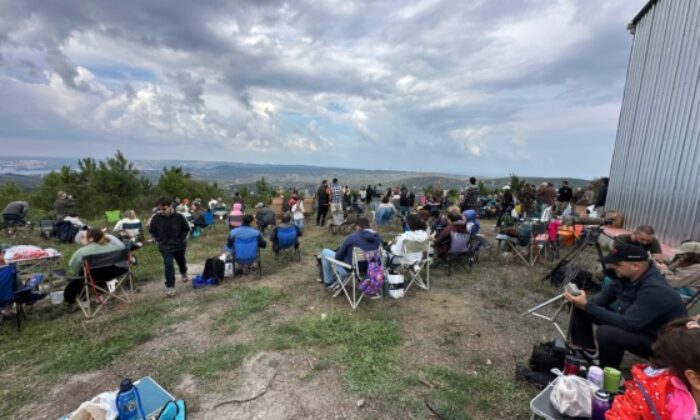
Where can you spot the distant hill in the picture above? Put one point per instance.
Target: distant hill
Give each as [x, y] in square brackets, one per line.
[27, 173]
[29, 182]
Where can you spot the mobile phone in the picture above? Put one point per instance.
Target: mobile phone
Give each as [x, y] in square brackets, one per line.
[572, 289]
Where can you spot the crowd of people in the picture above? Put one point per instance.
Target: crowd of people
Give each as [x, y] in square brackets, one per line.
[639, 309]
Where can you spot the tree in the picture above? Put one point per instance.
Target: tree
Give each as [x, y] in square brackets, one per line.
[10, 192]
[483, 191]
[174, 182]
[516, 183]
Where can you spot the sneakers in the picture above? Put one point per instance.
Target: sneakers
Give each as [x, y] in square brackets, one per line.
[169, 291]
[184, 278]
[592, 356]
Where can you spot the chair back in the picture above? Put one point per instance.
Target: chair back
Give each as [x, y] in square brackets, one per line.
[539, 229]
[107, 265]
[413, 247]
[112, 216]
[132, 226]
[208, 218]
[245, 250]
[8, 277]
[459, 243]
[384, 216]
[286, 236]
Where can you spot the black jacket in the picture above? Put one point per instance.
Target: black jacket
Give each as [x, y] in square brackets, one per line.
[170, 232]
[643, 306]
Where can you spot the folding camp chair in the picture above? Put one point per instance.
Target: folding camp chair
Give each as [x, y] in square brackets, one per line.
[8, 286]
[530, 247]
[287, 242]
[414, 270]
[208, 222]
[459, 250]
[350, 282]
[246, 254]
[384, 216]
[47, 228]
[105, 275]
[112, 216]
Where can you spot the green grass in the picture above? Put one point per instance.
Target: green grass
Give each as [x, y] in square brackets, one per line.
[245, 302]
[481, 393]
[365, 347]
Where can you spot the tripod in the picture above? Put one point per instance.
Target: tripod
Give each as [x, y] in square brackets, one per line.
[590, 238]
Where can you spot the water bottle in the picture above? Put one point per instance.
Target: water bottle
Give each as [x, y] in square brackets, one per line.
[129, 402]
[600, 404]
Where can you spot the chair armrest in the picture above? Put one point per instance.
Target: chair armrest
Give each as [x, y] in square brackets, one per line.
[340, 263]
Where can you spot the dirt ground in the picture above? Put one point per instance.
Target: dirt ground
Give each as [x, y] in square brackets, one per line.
[470, 323]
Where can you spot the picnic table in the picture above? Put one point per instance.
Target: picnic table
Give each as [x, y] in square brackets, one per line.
[40, 265]
[540, 406]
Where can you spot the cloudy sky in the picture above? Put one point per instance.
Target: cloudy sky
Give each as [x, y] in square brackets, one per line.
[482, 87]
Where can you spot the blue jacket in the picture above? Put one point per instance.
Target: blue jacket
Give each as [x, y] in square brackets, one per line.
[244, 232]
[643, 306]
[366, 239]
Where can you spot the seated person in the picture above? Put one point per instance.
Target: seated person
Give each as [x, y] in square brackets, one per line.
[95, 242]
[129, 226]
[643, 303]
[81, 238]
[473, 224]
[220, 209]
[264, 216]
[183, 207]
[673, 377]
[416, 232]
[363, 238]
[286, 220]
[198, 215]
[643, 237]
[683, 271]
[16, 212]
[385, 212]
[235, 218]
[244, 231]
[444, 238]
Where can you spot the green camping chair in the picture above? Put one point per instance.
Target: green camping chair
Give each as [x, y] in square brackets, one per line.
[112, 216]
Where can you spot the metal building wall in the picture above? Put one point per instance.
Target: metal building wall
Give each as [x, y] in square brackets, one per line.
[655, 170]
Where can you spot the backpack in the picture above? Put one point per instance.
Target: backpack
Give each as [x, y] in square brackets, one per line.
[544, 357]
[214, 269]
[374, 282]
[173, 410]
[65, 232]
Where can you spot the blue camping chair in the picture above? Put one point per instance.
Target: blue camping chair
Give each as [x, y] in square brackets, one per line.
[385, 216]
[208, 221]
[287, 241]
[9, 293]
[246, 254]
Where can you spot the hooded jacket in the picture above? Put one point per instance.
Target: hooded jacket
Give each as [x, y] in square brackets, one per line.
[366, 240]
[411, 235]
[170, 232]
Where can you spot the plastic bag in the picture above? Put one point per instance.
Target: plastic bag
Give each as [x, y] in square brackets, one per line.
[571, 396]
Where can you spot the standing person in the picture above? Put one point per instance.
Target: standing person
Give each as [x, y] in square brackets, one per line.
[298, 214]
[369, 192]
[506, 205]
[564, 195]
[64, 205]
[347, 197]
[336, 197]
[602, 197]
[323, 200]
[471, 195]
[170, 229]
[16, 212]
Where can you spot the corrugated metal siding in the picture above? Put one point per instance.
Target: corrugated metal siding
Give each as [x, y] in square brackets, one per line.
[655, 171]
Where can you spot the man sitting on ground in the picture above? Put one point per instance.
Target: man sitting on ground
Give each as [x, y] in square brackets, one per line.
[286, 222]
[16, 212]
[643, 303]
[245, 231]
[64, 205]
[264, 216]
[364, 238]
[643, 237]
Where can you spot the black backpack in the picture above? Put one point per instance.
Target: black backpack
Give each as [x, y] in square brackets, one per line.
[544, 357]
[65, 232]
[574, 273]
[214, 268]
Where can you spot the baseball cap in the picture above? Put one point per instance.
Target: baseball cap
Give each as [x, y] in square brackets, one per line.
[625, 252]
[689, 248]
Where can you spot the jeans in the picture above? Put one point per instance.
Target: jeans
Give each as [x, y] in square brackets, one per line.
[299, 223]
[328, 276]
[612, 341]
[168, 257]
[321, 214]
